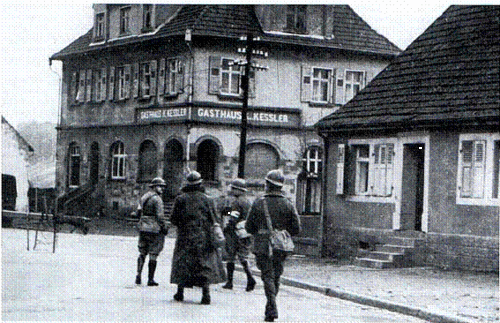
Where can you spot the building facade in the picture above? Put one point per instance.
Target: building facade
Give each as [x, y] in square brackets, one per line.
[154, 90]
[416, 154]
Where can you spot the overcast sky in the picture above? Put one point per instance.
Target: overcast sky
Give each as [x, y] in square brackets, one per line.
[31, 32]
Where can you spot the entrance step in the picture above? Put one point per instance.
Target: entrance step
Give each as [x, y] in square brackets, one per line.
[396, 252]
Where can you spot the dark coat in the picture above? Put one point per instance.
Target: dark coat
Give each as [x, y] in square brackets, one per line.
[241, 204]
[283, 215]
[153, 216]
[196, 262]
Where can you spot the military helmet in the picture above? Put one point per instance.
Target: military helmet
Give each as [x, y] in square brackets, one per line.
[275, 177]
[194, 178]
[158, 181]
[238, 184]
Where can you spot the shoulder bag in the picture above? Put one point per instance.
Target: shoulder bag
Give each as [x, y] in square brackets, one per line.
[278, 239]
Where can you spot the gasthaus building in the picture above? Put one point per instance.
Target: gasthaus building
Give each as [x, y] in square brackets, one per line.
[413, 160]
[154, 90]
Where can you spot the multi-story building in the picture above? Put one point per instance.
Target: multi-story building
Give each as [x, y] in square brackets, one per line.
[152, 90]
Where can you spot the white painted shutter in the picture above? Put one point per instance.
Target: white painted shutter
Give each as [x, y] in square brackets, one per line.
[340, 169]
[111, 83]
[88, 86]
[331, 86]
[214, 75]
[74, 87]
[389, 172]
[154, 68]
[136, 80]
[80, 96]
[466, 155]
[305, 84]
[161, 81]
[127, 81]
[479, 159]
[339, 87]
[179, 77]
[104, 78]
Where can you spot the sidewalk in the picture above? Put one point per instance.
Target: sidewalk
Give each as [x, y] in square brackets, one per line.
[428, 293]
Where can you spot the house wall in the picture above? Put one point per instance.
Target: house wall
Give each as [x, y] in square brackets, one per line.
[458, 236]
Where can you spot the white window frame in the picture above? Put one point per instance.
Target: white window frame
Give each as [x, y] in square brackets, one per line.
[125, 18]
[145, 74]
[486, 198]
[352, 83]
[234, 77]
[118, 160]
[100, 25]
[369, 194]
[172, 73]
[317, 84]
[121, 80]
[313, 161]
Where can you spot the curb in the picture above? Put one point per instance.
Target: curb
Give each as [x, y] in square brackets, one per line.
[365, 300]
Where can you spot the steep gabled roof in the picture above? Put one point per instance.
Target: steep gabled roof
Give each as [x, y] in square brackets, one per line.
[448, 76]
[350, 31]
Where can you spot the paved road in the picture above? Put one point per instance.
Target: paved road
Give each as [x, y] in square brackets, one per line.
[91, 278]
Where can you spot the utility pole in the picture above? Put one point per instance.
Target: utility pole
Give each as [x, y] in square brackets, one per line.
[248, 50]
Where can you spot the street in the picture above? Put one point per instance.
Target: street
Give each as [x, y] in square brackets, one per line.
[91, 278]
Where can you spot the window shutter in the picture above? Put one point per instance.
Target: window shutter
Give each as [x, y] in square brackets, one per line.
[154, 67]
[80, 96]
[214, 75]
[74, 87]
[340, 169]
[111, 83]
[251, 84]
[161, 80]
[389, 169]
[127, 81]
[136, 80]
[102, 96]
[88, 86]
[306, 84]
[478, 171]
[467, 152]
[331, 97]
[339, 87]
[179, 77]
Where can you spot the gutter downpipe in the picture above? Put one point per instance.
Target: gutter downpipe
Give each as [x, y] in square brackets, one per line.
[188, 40]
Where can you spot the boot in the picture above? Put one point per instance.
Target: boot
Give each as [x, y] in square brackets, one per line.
[205, 299]
[151, 274]
[179, 296]
[230, 271]
[140, 265]
[250, 281]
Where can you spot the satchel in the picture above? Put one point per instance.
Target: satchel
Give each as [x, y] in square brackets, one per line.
[278, 239]
[241, 232]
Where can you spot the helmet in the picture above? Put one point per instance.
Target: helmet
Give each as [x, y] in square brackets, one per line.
[194, 178]
[239, 184]
[276, 177]
[158, 181]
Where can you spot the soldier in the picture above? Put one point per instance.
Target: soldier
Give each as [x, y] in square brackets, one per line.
[283, 216]
[235, 206]
[153, 227]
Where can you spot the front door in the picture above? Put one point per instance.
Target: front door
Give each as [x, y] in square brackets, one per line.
[412, 187]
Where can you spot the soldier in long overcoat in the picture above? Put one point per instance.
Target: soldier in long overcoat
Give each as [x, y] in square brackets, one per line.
[196, 261]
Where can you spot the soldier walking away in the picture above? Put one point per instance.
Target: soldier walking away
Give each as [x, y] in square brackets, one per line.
[283, 216]
[153, 227]
[196, 261]
[235, 207]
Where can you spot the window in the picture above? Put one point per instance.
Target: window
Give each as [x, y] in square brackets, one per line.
[312, 161]
[147, 17]
[125, 20]
[373, 169]
[145, 75]
[174, 76]
[354, 82]
[123, 82]
[99, 26]
[74, 165]
[296, 18]
[77, 90]
[118, 158]
[321, 87]
[478, 169]
[230, 77]
[99, 91]
[309, 182]
[147, 161]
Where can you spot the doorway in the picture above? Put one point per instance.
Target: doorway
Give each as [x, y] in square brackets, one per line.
[412, 197]
[173, 173]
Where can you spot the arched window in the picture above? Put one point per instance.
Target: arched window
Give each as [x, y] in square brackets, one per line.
[260, 158]
[207, 156]
[173, 168]
[74, 165]
[94, 163]
[309, 182]
[148, 164]
[118, 158]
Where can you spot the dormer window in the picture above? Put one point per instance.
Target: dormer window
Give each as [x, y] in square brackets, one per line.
[99, 26]
[296, 19]
[147, 17]
[125, 20]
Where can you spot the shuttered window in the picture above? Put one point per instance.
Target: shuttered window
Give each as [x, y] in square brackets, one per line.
[354, 82]
[473, 165]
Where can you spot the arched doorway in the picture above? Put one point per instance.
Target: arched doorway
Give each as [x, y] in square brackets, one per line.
[206, 159]
[173, 168]
[260, 158]
[94, 163]
[147, 161]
